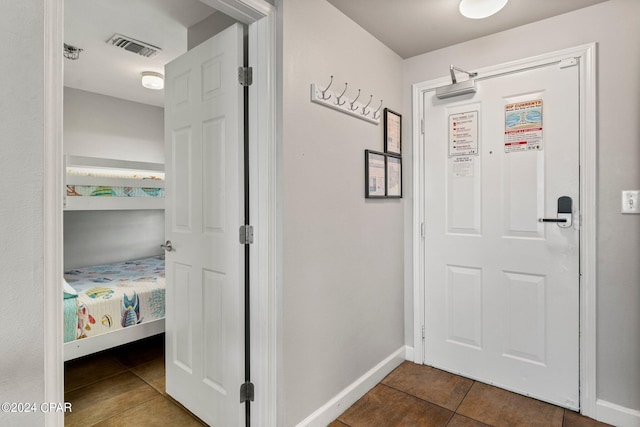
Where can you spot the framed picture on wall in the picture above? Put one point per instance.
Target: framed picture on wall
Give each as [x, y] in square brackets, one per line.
[392, 132]
[375, 174]
[394, 176]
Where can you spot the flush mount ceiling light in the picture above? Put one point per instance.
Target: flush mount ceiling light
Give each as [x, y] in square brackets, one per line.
[478, 9]
[152, 80]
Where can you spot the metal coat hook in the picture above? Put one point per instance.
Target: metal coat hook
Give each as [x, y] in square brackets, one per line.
[354, 101]
[364, 109]
[341, 95]
[344, 103]
[324, 98]
[376, 114]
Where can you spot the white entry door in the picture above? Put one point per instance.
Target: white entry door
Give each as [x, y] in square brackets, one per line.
[204, 209]
[501, 287]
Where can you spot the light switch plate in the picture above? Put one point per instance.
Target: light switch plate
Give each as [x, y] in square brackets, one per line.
[630, 201]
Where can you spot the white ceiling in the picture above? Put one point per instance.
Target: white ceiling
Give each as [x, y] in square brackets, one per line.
[409, 27]
[413, 27]
[108, 70]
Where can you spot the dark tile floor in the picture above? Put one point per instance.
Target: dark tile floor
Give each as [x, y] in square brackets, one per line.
[414, 395]
[123, 386]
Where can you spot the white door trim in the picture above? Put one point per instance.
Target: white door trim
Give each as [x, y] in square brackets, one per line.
[261, 18]
[588, 161]
[52, 209]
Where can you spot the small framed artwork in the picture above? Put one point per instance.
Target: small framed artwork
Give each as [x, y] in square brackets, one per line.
[392, 132]
[375, 174]
[394, 176]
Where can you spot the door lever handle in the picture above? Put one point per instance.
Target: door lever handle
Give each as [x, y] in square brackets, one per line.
[565, 213]
[552, 220]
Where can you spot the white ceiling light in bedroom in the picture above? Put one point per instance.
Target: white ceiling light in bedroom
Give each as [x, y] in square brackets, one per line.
[152, 80]
[478, 9]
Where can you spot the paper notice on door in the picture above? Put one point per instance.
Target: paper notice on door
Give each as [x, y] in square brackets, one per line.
[523, 126]
[463, 134]
[463, 166]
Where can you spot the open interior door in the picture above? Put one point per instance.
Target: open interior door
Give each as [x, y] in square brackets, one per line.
[204, 210]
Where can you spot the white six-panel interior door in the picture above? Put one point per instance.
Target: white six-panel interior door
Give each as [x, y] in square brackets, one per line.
[204, 209]
[501, 288]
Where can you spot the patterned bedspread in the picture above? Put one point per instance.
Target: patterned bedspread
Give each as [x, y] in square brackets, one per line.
[110, 191]
[116, 296]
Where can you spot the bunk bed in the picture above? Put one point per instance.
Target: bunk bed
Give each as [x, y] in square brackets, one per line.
[106, 184]
[112, 304]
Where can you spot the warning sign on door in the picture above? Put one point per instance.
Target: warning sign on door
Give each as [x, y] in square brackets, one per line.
[463, 166]
[463, 134]
[523, 126]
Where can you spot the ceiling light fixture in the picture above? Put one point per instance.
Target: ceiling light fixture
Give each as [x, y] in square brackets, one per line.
[478, 9]
[152, 80]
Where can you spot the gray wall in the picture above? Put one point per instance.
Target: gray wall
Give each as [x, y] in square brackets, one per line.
[21, 209]
[101, 126]
[102, 237]
[614, 26]
[342, 254]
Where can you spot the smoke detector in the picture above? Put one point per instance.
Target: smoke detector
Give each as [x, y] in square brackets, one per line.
[132, 45]
[71, 52]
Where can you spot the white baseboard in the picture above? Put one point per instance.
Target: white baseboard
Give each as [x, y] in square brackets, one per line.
[616, 415]
[350, 395]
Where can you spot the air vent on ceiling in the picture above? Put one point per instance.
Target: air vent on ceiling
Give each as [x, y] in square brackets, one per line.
[133, 45]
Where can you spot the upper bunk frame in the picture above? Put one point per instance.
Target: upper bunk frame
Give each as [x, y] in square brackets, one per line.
[81, 203]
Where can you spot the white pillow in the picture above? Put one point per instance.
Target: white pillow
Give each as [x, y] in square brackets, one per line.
[69, 292]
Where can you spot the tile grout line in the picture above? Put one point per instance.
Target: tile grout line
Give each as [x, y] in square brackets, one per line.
[126, 369]
[453, 412]
[459, 404]
[96, 381]
[465, 396]
[126, 410]
[144, 380]
[416, 397]
[159, 394]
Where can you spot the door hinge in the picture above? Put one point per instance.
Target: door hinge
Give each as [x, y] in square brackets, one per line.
[422, 230]
[422, 331]
[246, 234]
[422, 126]
[568, 62]
[246, 392]
[245, 76]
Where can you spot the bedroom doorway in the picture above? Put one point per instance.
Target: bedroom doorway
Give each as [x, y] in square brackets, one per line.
[260, 18]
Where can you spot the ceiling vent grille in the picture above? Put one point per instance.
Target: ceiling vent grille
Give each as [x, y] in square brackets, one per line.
[132, 45]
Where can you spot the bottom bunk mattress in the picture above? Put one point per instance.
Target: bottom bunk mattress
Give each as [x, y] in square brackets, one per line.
[116, 296]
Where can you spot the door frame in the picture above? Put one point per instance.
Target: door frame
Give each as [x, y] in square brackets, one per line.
[260, 16]
[588, 180]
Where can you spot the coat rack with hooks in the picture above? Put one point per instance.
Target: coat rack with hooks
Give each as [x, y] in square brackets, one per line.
[347, 105]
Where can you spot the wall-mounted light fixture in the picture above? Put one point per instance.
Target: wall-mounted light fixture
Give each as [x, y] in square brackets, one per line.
[152, 80]
[478, 9]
